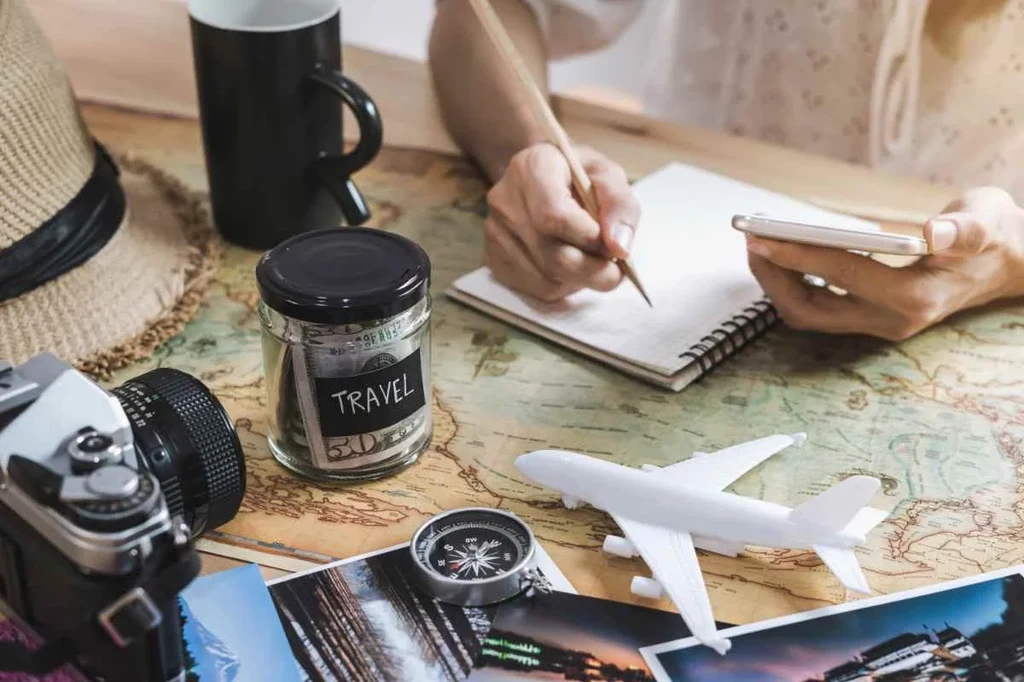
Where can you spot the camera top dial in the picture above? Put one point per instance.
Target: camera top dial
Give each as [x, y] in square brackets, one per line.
[120, 498]
[91, 450]
[110, 498]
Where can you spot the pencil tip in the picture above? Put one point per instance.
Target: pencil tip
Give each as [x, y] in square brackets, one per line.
[630, 272]
[646, 297]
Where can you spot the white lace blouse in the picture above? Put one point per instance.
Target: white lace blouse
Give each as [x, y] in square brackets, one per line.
[853, 79]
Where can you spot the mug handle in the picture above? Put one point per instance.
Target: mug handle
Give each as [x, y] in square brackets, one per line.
[335, 171]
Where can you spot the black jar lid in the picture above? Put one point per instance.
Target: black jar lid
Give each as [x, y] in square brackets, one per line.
[343, 274]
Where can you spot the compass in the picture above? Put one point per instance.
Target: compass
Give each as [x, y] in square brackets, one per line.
[474, 556]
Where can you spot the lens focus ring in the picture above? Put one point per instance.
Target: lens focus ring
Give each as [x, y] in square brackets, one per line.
[216, 460]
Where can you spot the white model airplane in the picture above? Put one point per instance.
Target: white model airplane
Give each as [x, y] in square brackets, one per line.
[667, 513]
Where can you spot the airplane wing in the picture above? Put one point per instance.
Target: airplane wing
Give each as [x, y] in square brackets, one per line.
[673, 560]
[844, 564]
[715, 471]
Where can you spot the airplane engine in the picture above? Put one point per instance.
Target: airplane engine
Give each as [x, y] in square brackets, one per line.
[617, 546]
[646, 588]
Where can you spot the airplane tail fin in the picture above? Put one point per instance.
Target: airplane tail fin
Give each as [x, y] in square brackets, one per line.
[865, 520]
[844, 565]
[842, 509]
[839, 506]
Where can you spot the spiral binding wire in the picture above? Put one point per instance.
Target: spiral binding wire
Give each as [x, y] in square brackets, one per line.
[733, 334]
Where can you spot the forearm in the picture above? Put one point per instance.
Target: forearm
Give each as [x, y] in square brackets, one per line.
[477, 93]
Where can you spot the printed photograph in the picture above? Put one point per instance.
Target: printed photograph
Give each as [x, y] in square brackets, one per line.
[570, 637]
[970, 632]
[361, 620]
[231, 631]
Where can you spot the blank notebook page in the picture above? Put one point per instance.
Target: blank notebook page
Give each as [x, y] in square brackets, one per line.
[690, 259]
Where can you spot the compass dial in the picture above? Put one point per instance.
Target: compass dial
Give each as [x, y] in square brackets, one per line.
[473, 553]
[473, 544]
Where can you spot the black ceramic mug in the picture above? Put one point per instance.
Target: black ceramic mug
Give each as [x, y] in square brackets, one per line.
[271, 89]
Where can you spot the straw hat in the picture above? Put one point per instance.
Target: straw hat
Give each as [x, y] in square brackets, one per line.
[155, 252]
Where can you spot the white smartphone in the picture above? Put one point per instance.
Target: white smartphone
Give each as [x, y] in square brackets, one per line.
[833, 237]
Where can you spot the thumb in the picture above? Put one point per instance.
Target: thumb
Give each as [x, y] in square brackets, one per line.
[959, 234]
[970, 223]
[620, 211]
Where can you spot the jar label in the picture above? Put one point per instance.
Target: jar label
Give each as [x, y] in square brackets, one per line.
[372, 401]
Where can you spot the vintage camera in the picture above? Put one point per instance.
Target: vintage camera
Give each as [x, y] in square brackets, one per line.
[100, 496]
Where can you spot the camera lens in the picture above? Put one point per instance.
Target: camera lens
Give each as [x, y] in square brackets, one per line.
[189, 443]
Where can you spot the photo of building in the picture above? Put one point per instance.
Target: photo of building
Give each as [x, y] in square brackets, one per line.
[910, 653]
[556, 637]
[506, 651]
[972, 632]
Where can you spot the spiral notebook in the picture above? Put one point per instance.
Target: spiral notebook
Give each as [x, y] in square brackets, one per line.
[707, 305]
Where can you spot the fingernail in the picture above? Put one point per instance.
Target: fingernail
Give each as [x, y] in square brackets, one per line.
[760, 248]
[943, 234]
[623, 235]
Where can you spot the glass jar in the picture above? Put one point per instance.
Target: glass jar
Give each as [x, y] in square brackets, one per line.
[345, 314]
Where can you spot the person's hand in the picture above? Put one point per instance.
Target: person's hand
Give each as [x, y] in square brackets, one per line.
[541, 241]
[977, 256]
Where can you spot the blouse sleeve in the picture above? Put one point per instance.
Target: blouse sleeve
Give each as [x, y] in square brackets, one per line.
[573, 27]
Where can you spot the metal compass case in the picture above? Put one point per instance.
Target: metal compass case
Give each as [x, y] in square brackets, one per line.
[475, 556]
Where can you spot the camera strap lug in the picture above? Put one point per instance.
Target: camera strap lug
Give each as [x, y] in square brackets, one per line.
[130, 617]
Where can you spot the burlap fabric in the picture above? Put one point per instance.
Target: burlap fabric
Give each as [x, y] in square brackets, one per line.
[147, 281]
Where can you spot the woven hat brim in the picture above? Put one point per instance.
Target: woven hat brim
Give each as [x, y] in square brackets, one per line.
[137, 292]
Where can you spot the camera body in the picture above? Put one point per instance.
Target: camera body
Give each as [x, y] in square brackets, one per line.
[100, 496]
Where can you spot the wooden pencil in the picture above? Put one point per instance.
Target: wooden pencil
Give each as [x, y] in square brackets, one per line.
[553, 130]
